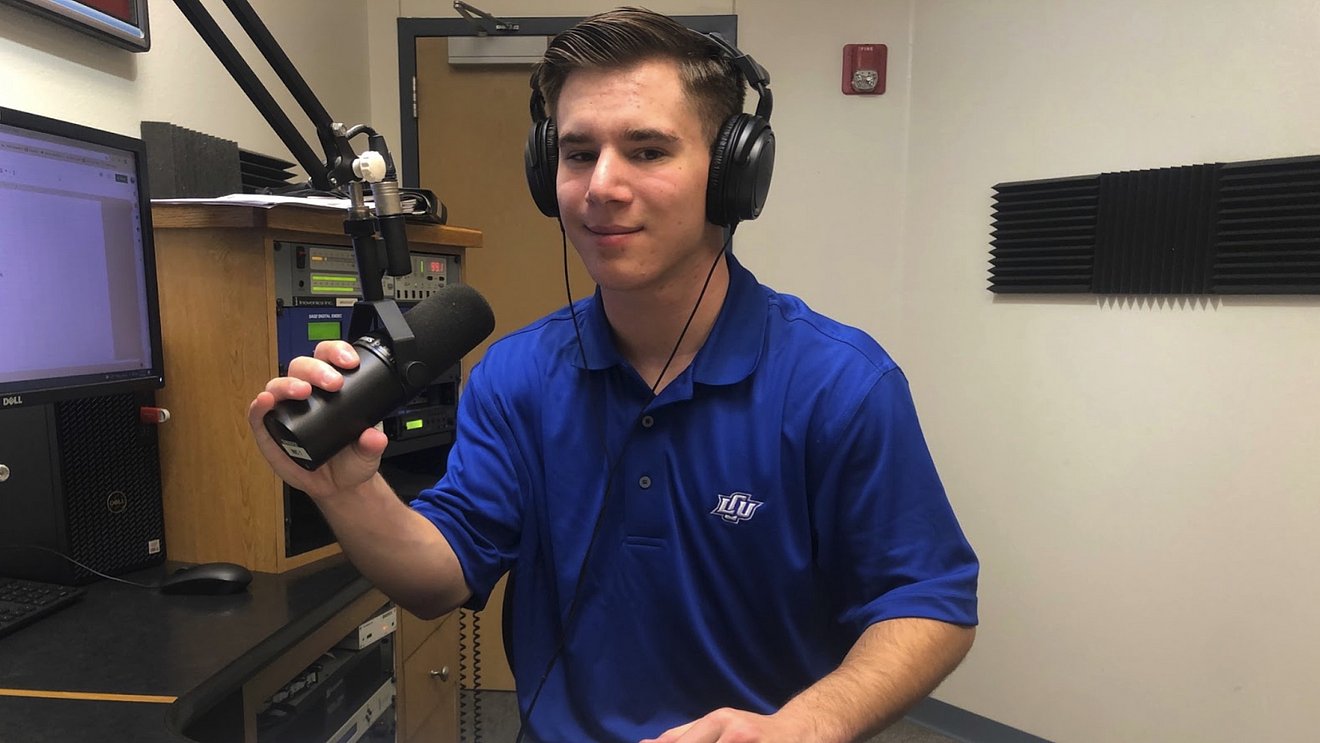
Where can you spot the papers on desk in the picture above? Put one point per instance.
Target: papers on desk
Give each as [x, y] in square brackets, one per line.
[265, 202]
[418, 204]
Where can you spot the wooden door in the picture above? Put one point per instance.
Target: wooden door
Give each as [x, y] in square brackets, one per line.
[472, 122]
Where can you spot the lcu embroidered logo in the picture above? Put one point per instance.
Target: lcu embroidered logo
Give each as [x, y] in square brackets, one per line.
[736, 508]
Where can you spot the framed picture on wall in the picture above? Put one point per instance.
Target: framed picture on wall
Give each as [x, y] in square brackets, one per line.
[120, 22]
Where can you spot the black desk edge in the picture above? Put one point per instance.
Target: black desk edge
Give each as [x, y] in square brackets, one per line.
[192, 705]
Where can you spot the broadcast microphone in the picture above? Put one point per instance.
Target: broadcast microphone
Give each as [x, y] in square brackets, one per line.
[446, 326]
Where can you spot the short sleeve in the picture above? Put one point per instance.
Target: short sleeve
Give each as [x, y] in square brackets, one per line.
[477, 505]
[889, 543]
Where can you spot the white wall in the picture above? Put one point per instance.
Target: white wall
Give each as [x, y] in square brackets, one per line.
[833, 224]
[841, 197]
[1141, 477]
[54, 71]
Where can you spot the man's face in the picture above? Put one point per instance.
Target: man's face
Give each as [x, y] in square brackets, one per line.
[633, 162]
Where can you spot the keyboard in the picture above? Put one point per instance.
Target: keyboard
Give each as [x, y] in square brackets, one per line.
[23, 602]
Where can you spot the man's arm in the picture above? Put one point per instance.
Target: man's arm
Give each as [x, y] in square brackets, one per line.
[396, 548]
[891, 667]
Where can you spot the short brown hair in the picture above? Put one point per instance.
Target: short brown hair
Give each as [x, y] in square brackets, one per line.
[627, 36]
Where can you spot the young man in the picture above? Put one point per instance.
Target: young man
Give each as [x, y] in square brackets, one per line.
[748, 542]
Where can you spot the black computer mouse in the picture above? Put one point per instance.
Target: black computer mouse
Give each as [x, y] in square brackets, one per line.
[209, 579]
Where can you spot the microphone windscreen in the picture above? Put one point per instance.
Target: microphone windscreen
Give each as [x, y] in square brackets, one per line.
[445, 327]
[448, 324]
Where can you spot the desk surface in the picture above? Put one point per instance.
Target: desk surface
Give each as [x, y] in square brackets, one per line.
[122, 654]
[40, 720]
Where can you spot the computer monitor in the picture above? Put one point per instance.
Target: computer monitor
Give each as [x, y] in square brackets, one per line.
[77, 266]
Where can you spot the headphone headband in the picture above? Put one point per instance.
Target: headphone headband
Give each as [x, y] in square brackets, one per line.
[757, 76]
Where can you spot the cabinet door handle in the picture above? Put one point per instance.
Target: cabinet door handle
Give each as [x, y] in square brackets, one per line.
[442, 674]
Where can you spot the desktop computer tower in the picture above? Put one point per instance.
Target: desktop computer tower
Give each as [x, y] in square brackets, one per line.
[83, 480]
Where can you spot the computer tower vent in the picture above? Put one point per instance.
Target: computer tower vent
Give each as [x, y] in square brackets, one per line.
[110, 468]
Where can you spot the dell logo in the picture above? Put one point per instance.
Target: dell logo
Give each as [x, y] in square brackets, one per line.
[117, 502]
[11, 400]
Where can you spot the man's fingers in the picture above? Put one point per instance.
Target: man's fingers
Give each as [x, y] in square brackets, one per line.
[724, 725]
[317, 372]
[672, 734]
[339, 353]
[705, 730]
[257, 410]
[371, 444]
[260, 405]
[284, 388]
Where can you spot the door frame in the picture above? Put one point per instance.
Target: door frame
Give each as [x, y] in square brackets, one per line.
[411, 29]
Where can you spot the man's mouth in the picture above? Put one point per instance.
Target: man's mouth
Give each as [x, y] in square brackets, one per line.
[612, 229]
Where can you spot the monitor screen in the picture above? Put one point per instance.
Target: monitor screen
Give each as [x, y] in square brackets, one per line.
[120, 22]
[77, 269]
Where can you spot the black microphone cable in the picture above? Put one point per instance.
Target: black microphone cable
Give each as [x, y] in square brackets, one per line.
[570, 620]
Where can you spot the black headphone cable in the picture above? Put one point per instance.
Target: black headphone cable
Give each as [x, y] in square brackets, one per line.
[571, 618]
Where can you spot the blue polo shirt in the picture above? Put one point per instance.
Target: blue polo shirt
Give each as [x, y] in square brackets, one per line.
[771, 503]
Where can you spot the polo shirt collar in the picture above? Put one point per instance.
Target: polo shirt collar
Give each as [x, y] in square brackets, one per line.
[597, 338]
[733, 349]
[730, 353]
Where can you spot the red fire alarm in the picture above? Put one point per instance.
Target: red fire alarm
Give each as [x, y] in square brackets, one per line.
[864, 68]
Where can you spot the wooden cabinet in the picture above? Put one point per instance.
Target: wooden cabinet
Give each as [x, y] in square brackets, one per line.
[215, 270]
[426, 663]
[279, 672]
[425, 670]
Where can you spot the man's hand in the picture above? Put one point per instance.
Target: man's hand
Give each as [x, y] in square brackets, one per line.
[351, 467]
[892, 666]
[736, 726]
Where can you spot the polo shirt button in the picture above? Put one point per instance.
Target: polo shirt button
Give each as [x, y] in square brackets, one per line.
[647, 421]
[645, 482]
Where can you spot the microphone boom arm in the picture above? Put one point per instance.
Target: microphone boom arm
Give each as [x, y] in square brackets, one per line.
[342, 167]
[324, 176]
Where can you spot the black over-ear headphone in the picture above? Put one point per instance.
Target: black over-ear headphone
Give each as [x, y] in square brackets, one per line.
[741, 160]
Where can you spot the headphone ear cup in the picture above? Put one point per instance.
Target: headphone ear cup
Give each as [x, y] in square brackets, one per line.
[541, 161]
[741, 163]
[716, 211]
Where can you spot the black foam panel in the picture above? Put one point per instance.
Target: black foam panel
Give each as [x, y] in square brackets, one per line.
[1222, 228]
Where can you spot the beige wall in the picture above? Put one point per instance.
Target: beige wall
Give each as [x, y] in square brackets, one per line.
[1139, 476]
[54, 71]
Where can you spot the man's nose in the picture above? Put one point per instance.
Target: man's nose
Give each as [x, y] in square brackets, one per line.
[609, 179]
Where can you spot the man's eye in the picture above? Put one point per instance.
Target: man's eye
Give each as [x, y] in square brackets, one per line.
[651, 154]
[580, 157]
